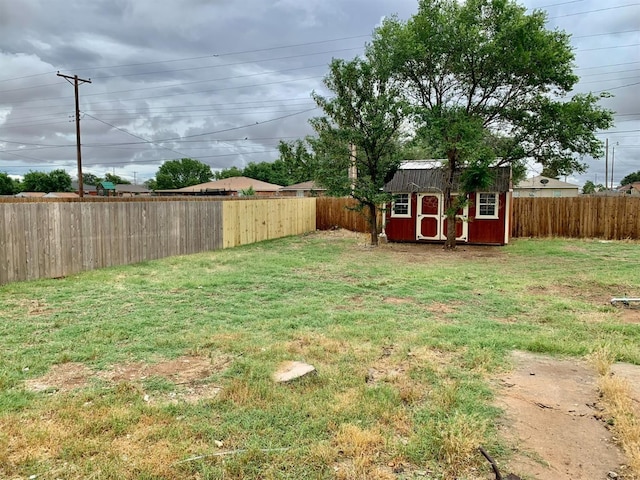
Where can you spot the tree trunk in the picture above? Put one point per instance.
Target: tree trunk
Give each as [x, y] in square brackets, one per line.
[373, 223]
[450, 213]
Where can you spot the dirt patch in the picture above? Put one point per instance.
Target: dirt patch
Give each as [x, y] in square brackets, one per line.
[553, 420]
[188, 374]
[61, 378]
[437, 307]
[397, 301]
[630, 313]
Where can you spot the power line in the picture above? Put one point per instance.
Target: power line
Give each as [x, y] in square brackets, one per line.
[195, 68]
[617, 88]
[594, 11]
[606, 48]
[200, 57]
[605, 33]
[134, 135]
[561, 3]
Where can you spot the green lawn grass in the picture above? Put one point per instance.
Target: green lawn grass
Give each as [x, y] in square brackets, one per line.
[426, 328]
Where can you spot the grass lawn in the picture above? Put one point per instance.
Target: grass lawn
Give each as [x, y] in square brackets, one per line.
[163, 369]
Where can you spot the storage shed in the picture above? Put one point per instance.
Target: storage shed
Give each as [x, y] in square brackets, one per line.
[416, 213]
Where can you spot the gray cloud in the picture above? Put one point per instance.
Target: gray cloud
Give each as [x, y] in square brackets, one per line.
[223, 81]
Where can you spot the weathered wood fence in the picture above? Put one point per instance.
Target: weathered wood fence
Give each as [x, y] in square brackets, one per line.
[578, 217]
[339, 212]
[611, 218]
[49, 238]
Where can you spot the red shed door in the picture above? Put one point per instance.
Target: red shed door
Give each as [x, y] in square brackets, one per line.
[431, 221]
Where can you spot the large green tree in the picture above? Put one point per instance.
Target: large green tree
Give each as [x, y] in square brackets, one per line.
[54, 181]
[115, 179]
[90, 179]
[590, 187]
[490, 86]
[181, 173]
[631, 178]
[7, 185]
[300, 163]
[271, 172]
[228, 173]
[366, 110]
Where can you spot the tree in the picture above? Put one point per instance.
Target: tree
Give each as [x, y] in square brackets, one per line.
[366, 111]
[271, 172]
[182, 173]
[228, 173]
[115, 179]
[300, 163]
[90, 179]
[7, 185]
[631, 178]
[489, 85]
[54, 181]
[590, 187]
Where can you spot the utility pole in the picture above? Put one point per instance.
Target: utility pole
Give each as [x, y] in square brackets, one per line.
[134, 178]
[75, 82]
[613, 158]
[606, 164]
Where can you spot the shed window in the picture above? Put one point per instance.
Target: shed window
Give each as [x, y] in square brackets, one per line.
[401, 206]
[487, 205]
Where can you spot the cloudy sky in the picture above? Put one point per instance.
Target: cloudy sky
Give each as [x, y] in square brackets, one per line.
[223, 81]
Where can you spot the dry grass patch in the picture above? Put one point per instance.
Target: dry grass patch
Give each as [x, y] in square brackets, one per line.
[619, 408]
[93, 440]
[359, 451]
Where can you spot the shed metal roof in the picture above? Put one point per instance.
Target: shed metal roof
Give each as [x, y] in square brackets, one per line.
[432, 180]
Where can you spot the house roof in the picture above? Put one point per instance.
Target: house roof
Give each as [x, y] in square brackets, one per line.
[630, 186]
[61, 195]
[107, 185]
[234, 184]
[310, 185]
[432, 179]
[539, 182]
[31, 194]
[129, 188]
[85, 187]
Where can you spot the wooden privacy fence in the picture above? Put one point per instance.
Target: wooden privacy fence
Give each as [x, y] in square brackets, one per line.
[49, 238]
[334, 212]
[577, 217]
[612, 218]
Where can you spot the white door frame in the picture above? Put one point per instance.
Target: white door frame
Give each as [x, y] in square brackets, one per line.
[440, 219]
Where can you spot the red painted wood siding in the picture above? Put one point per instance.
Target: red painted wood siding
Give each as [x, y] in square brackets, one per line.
[481, 231]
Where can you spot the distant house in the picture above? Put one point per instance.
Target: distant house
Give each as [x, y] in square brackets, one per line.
[417, 214]
[106, 189]
[61, 195]
[128, 190]
[545, 187]
[30, 194]
[630, 189]
[233, 187]
[304, 189]
[87, 189]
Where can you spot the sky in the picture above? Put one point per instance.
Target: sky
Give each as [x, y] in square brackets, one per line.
[224, 81]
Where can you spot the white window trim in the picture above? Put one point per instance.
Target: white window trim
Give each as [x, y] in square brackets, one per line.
[497, 199]
[402, 215]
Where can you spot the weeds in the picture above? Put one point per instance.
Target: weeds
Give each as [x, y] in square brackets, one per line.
[403, 340]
